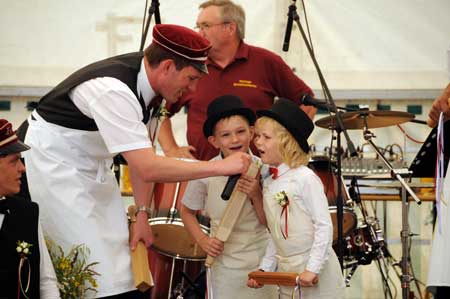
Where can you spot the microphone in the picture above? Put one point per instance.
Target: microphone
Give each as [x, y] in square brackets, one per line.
[352, 191]
[308, 100]
[229, 186]
[287, 34]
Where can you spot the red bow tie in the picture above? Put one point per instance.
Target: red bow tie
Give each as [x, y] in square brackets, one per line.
[273, 172]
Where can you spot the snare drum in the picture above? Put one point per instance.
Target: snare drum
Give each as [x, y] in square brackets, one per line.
[170, 237]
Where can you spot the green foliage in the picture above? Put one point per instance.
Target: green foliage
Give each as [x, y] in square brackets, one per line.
[75, 277]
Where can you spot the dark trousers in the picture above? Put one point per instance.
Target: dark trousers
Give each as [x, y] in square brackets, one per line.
[130, 295]
[442, 293]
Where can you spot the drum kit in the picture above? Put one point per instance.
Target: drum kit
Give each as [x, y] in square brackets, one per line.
[365, 243]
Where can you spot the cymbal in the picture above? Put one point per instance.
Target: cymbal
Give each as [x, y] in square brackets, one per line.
[375, 119]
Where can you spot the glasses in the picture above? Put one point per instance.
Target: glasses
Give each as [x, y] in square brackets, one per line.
[206, 26]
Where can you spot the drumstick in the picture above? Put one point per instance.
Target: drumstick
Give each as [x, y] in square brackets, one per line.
[143, 279]
[231, 214]
[278, 278]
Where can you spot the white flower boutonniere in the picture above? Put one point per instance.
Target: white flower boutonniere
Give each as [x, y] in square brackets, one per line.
[23, 248]
[282, 198]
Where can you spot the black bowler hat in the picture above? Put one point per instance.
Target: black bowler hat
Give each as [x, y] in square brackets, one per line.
[294, 119]
[9, 142]
[226, 106]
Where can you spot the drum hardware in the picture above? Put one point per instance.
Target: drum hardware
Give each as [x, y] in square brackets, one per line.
[367, 120]
[196, 289]
[186, 288]
[406, 277]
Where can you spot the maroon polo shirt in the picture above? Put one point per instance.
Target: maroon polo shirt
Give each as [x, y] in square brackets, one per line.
[255, 75]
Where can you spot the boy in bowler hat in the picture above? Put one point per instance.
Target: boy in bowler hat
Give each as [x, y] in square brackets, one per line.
[295, 205]
[26, 270]
[229, 128]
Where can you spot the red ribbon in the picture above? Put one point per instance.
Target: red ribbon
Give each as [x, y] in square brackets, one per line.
[273, 172]
[285, 211]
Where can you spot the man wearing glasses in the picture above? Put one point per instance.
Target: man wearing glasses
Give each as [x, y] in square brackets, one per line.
[254, 74]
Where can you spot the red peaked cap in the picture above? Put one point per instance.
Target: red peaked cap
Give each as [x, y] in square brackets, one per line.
[9, 142]
[183, 42]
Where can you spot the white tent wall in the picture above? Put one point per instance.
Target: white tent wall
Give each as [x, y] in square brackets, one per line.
[363, 45]
[370, 52]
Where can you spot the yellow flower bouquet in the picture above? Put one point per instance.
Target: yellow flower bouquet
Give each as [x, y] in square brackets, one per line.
[75, 276]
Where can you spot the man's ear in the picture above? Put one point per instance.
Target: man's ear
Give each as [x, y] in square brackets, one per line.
[233, 28]
[166, 65]
[212, 140]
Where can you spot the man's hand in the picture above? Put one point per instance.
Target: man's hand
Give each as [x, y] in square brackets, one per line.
[440, 104]
[141, 232]
[233, 164]
[181, 152]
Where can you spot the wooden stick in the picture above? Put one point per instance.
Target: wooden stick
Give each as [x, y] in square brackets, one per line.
[232, 211]
[143, 279]
[277, 278]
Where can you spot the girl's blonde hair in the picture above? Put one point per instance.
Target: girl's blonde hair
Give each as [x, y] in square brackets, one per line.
[290, 151]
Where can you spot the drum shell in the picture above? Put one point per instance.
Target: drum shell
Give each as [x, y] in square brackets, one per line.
[324, 169]
[170, 237]
[161, 268]
[348, 224]
[173, 246]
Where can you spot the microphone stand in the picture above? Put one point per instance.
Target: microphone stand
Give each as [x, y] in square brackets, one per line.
[153, 9]
[339, 129]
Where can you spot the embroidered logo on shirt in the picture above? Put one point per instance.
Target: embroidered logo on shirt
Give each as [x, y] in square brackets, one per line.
[244, 83]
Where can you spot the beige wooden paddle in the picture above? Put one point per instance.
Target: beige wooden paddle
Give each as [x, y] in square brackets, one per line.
[277, 278]
[231, 214]
[143, 279]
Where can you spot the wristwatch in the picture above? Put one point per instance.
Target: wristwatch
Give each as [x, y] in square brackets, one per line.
[144, 209]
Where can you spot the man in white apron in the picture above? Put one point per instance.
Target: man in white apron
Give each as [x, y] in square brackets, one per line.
[96, 113]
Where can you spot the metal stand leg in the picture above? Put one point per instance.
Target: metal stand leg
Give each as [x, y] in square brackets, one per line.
[171, 279]
[405, 278]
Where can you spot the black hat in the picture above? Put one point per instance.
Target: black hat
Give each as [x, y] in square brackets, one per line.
[225, 106]
[294, 119]
[9, 142]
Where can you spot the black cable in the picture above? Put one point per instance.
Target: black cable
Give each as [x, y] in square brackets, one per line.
[307, 27]
[416, 281]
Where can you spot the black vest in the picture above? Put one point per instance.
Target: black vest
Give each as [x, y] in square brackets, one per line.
[56, 106]
[21, 224]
